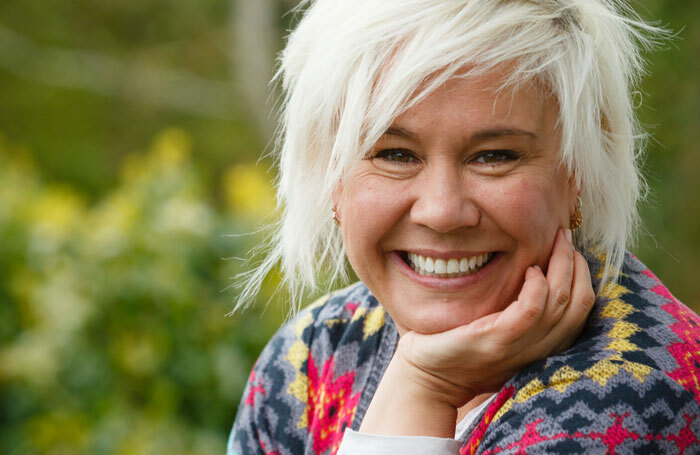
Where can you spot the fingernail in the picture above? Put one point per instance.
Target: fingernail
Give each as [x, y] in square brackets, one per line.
[567, 233]
[537, 267]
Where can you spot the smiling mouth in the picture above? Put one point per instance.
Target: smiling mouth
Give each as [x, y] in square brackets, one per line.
[445, 268]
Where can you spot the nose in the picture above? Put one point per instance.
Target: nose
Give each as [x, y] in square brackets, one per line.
[444, 201]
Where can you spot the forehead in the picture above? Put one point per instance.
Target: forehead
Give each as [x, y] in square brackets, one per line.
[477, 103]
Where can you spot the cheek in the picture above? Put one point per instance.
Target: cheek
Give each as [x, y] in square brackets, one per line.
[370, 210]
[529, 210]
[365, 201]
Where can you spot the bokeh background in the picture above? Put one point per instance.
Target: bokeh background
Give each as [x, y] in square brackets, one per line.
[131, 185]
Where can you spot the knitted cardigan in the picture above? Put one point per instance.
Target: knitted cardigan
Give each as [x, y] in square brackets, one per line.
[630, 384]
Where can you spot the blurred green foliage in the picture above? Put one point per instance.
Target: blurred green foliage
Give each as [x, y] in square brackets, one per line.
[113, 335]
[114, 224]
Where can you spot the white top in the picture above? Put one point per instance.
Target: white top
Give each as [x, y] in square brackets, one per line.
[355, 443]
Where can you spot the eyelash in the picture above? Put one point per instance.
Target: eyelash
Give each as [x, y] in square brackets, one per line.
[502, 155]
[485, 157]
[387, 155]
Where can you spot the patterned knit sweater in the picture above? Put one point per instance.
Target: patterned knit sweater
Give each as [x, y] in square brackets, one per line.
[630, 384]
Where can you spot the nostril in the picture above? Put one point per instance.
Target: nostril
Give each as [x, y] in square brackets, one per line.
[444, 211]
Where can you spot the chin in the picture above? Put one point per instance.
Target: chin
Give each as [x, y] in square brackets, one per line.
[438, 326]
[440, 316]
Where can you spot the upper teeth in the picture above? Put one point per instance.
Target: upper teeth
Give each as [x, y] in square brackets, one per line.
[426, 265]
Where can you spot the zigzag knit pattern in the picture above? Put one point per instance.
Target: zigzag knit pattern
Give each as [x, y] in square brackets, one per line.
[630, 384]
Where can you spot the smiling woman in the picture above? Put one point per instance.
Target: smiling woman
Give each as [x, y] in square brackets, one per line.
[458, 144]
[474, 174]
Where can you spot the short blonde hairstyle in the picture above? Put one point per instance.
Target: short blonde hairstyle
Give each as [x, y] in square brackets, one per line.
[351, 67]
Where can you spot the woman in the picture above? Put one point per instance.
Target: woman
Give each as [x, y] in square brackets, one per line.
[456, 143]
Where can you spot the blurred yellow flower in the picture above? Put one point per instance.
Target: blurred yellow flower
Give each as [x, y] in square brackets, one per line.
[109, 224]
[248, 191]
[151, 436]
[58, 432]
[53, 216]
[180, 214]
[18, 175]
[133, 167]
[171, 147]
[170, 150]
[140, 354]
[31, 357]
[59, 304]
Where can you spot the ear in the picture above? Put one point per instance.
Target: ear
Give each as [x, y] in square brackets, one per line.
[337, 194]
[574, 192]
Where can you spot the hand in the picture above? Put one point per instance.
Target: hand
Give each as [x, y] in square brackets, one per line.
[442, 372]
[479, 357]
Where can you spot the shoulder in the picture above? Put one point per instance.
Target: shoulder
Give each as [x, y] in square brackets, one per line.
[340, 318]
[630, 383]
[322, 358]
[347, 313]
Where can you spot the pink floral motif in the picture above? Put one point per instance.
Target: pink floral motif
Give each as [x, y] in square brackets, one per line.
[687, 351]
[332, 405]
[478, 433]
[616, 434]
[254, 389]
[263, 446]
[685, 438]
[352, 307]
[530, 438]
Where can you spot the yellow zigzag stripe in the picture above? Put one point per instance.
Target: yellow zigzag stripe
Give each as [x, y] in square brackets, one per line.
[299, 352]
[296, 356]
[604, 369]
[505, 408]
[563, 378]
[374, 320]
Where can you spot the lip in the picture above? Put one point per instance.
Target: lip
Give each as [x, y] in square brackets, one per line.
[448, 255]
[443, 284]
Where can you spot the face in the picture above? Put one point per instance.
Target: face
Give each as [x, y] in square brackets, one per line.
[461, 194]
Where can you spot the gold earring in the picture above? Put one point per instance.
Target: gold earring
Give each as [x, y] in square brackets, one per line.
[576, 221]
[335, 217]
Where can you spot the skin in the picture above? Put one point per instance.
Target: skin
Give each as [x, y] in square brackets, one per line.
[465, 171]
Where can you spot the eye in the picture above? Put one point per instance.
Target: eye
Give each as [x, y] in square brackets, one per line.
[495, 156]
[397, 155]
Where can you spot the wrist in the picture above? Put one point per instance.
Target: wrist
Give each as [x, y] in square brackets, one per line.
[431, 385]
[404, 405]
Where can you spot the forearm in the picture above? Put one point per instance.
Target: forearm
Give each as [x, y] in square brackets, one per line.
[402, 406]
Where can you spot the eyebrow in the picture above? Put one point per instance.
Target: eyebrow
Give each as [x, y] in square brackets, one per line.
[478, 136]
[400, 132]
[500, 132]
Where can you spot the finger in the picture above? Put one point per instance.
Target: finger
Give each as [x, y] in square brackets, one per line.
[524, 314]
[496, 334]
[560, 274]
[572, 321]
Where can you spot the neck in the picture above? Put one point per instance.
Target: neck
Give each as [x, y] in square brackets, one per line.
[471, 404]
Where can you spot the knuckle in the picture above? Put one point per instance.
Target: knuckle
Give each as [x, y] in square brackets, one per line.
[497, 348]
[541, 281]
[499, 355]
[562, 296]
[531, 311]
[481, 328]
[581, 262]
[589, 299]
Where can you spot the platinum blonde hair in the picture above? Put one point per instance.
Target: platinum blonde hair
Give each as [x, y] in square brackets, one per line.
[351, 67]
